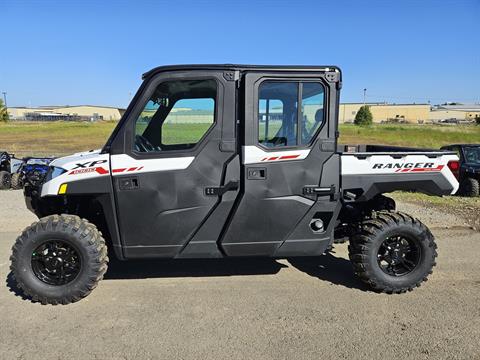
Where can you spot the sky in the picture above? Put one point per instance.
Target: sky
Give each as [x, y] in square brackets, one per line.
[94, 52]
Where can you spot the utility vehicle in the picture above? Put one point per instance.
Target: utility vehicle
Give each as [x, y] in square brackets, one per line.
[213, 161]
[469, 170]
[32, 171]
[9, 166]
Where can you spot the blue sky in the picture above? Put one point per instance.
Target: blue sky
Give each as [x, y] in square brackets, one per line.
[94, 52]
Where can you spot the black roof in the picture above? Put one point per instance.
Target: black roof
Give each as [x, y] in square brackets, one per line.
[235, 67]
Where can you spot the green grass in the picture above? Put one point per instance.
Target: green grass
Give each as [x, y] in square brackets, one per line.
[61, 138]
[426, 136]
[464, 207]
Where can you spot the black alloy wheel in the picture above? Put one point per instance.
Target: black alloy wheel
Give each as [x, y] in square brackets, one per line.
[56, 263]
[398, 255]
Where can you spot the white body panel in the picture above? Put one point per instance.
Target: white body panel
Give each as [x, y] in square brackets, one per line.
[122, 164]
[384, 164]
[91, 164]
[99, 167]
[254, 154]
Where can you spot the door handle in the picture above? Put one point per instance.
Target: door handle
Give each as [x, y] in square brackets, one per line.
[256, 173]
[220, 190]
[130, 183]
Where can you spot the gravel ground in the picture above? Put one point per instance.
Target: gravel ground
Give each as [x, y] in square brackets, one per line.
[251, 309]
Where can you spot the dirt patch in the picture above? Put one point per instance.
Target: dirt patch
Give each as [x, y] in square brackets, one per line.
[446, 212]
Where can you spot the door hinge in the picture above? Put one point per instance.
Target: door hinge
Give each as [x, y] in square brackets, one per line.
[220, 190]
[231, 75]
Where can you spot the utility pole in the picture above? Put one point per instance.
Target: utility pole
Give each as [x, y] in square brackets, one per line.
[364, 96]
[5, 101]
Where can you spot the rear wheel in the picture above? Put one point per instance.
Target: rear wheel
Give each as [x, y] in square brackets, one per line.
[5, 179]
[17, 181]
[392, 252]
[59, 259]
[469, 187]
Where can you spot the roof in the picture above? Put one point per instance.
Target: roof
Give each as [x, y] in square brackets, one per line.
[465, 107]
[63, 107]
[383, 104]
[95, 106]
[238, 67]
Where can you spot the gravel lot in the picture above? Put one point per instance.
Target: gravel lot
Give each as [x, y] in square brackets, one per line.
[251, 309]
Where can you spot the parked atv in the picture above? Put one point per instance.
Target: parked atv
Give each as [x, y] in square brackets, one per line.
[9, 165]
[32, 172]
[468, 172]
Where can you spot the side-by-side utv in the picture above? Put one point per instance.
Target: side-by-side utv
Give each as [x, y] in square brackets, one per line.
[218, 161]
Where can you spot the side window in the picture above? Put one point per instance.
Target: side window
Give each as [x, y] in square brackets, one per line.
[280, 124]
[277, 113]
[312, 110]
[177, 116]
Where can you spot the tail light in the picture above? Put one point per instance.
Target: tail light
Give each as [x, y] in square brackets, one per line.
[454, 166]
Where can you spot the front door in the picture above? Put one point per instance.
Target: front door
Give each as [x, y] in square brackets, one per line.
[288, 148]
[179, 150]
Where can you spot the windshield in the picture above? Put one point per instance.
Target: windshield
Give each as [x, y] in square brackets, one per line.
[472, 154]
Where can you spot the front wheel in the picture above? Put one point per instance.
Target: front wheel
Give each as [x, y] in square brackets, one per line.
[5, 179]
[59, 259]
[17, 181]
[469, 187]
[392, 252]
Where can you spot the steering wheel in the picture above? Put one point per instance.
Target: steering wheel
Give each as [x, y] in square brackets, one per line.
[143, 145]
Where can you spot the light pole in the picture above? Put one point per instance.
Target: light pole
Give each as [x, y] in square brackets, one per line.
[5, 101]
[364, 96]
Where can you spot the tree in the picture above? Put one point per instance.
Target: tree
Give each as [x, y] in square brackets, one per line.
[364, 116]
[3, 112]
[477, 119]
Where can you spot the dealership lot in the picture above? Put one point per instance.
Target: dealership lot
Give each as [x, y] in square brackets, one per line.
[250, 309]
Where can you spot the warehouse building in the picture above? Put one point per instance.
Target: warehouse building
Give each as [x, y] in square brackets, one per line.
[382, 112]
[457, 113]
[66, 113]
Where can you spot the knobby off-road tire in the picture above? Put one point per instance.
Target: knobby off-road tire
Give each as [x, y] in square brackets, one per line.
[56, 246]
[469, 187]
[16, 181]
[370, 255]
[5, 179]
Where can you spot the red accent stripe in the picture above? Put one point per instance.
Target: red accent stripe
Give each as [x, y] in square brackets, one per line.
[140, 168]
[438, 168]
[264, 159]
[101, 171]
[118, 170]
[273, 158]
[131, 169]
[285, 157]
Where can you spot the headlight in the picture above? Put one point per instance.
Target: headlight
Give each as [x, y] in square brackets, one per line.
[53, 172]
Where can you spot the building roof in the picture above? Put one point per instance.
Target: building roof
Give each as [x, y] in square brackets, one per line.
[383, 104]
[464, 107]
[48, 107]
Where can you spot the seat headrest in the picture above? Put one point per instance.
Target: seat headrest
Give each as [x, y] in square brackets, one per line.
[319, 116]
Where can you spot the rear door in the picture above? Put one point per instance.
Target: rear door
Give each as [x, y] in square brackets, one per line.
[290, 172]
[179, 150]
